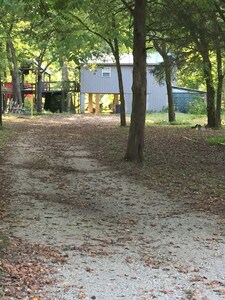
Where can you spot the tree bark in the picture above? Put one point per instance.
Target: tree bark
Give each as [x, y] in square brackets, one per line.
[135, 145]
[40, 72]
[220, 77]
[39, 91]
[120, 82]
[65, 85]
[14, 85]
[14, 72]
[207, 69]
[167, 66]
[171, 112]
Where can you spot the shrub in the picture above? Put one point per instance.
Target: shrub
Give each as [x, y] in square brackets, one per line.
[27, 103]
[197, 107]
[164, 109]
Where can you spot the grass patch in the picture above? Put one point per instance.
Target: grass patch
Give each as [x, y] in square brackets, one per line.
[216, 140]
[175, 123]
[181, 119]
[5, 133]
[180, 123]
[8, 129]
[3, 242]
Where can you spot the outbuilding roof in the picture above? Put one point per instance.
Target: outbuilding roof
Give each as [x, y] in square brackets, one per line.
[127, 59]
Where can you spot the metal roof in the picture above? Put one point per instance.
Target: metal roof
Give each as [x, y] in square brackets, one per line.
[126, 60]
[184, 89]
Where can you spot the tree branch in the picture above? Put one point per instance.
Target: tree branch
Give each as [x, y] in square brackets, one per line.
[128, 6]
[90, 29]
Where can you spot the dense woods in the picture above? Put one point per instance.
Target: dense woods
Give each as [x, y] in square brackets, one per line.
[52, 32]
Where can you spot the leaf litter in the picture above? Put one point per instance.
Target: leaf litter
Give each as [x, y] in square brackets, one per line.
[174, 166]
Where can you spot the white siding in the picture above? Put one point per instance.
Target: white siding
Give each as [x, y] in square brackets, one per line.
[93, 82]
[128, 102]
[127, 79]
[156, 94]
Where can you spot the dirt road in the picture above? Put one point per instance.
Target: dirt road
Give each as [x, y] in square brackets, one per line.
[120, 239]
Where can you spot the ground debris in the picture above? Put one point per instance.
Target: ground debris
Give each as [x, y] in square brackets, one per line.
[27, 269]
[70, 188]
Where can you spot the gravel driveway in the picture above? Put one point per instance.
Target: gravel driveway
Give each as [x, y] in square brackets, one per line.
[121, 240]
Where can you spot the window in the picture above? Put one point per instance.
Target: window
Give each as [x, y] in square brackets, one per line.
[106, 72]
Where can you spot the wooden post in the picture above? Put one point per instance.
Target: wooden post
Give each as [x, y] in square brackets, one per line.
[115, 102]
[90, 103]
[82, 103]
[97, 107]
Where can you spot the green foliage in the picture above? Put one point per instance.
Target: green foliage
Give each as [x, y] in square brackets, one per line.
[216, 140]
[159, 71]
[197, 107]
[27, 104]
[180, 123]
[3, 135]
[3, 242]
[6, 132]
[181, 119]
[164, 109]
[190, 72]
[174, 123]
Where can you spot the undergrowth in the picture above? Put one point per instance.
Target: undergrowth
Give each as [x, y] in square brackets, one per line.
[216, 140]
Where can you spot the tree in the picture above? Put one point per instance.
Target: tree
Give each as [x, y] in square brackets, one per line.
[189, 70]
[65, 84]
[11, 24]
[201, 30]
[135, 144]
[161, 47]
[157, 38]
[39, 72]
[107, 21]
[196, 28]
[21, 25]
[41, 35]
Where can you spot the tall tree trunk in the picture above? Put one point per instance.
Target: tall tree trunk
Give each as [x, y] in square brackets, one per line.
[11, 52]
[39, 91]
[120, 82]
[39, 74]
[135, 145]
[171, 112]
[14, 84]
[220, 77]
[161, 48]
[65, 85]
[207, 69]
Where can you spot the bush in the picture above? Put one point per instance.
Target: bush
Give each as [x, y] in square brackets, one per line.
[197, 107]
[27, 104]
[164, 109]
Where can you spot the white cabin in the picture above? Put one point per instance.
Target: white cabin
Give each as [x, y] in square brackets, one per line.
[101, 80]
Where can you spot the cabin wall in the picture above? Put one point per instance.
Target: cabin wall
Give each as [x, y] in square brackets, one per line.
[93, 82]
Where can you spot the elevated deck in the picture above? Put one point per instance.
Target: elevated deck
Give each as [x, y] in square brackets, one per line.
[49, 87]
